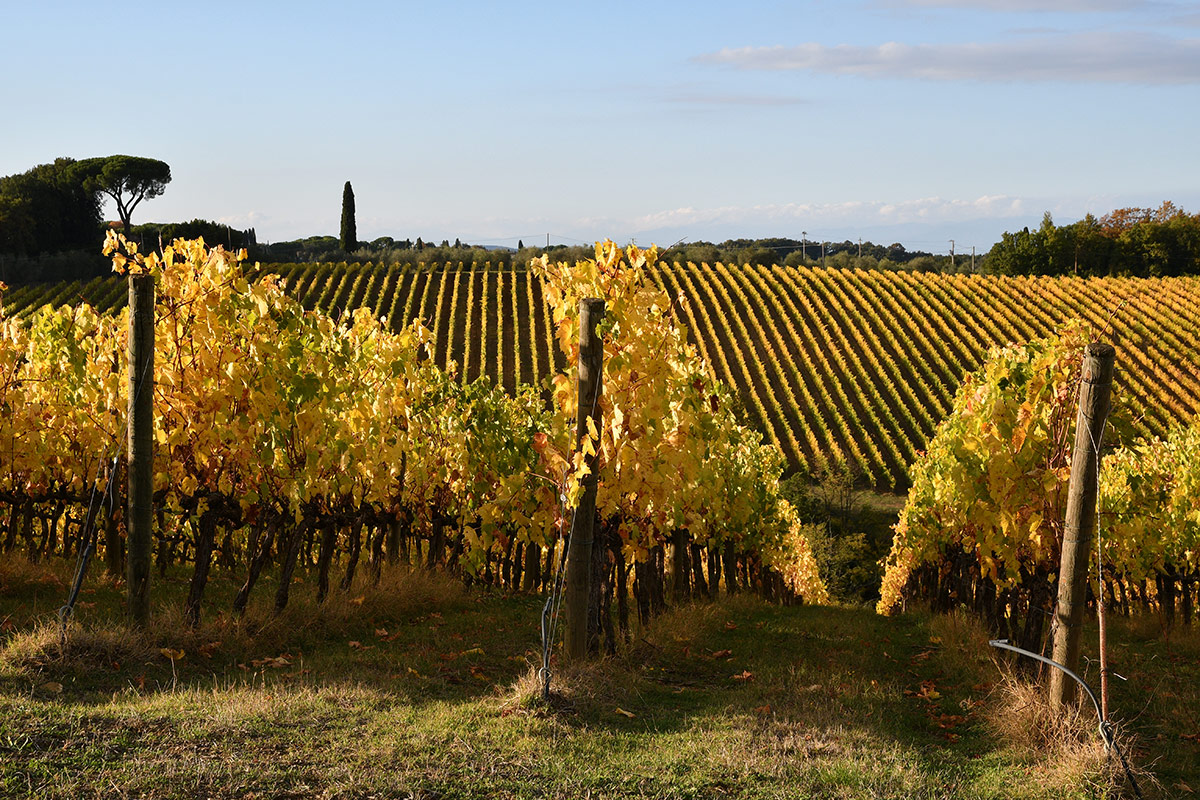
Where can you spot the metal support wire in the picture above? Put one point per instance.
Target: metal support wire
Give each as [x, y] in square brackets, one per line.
[85, 553]
[1106, 729]
[553, 607]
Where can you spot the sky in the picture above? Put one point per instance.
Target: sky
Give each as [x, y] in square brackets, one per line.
[911, 121]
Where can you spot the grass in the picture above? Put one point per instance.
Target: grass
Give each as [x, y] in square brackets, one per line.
[420, 689]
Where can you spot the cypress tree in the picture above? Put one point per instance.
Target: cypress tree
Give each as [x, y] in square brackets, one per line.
[349, 230]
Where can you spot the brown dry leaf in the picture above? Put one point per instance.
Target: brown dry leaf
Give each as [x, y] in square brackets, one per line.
[763, 709]
[731, 626]
[625, 713]
[746, 675]
[381, 633]
[173, 655]
[1183, 787]
[722, 654]
[278, 662]
[51, 687]
[207, 650]
[358, 601]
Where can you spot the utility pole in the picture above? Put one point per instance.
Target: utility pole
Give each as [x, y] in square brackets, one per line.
[547, 241]
[824, 246]
[972, 259]
[860, 248]
[951, 255]
[804, 245]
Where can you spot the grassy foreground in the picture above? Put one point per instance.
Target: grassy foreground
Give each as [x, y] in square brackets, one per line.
[422, 689]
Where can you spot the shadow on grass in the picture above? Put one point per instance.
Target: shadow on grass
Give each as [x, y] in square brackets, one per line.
[733, 693]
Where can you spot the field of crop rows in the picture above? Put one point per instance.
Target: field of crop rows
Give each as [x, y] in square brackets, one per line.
[825, 362]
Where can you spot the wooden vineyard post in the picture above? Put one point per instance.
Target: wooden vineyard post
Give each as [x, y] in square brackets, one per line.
[579, 554]
[141, 446]
[1094, 392]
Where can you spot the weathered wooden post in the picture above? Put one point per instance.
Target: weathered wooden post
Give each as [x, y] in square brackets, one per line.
[139, 517]
[1094, 392]
[579, 557]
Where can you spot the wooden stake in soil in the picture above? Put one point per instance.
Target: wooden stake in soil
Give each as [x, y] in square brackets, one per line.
[1094, 392]
[579, 558]
[141, 446]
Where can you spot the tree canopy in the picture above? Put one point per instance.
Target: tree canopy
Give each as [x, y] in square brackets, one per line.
[128, 180]
[349, 237]
[1127, 241]
[48, 209]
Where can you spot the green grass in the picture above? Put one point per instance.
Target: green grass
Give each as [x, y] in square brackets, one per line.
[423, 689]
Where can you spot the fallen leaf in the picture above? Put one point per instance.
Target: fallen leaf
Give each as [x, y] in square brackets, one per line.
[763, 709]
[358, 601]
[731, 626]
[722, 654]
[52, 687]
[381, 632]
[746, 675]
[278, 662]
[1183, 787]
[935, 640]
[207, 650]
[625, 713]
[474, 651]
[173, 655]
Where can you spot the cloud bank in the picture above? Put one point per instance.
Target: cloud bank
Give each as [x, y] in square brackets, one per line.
[1058, 6]
[1128, 58]
[862, 212]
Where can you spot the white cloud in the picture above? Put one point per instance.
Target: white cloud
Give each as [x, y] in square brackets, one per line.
[716, 99]
[1033, 5]
[858, 212]
[1079, 58]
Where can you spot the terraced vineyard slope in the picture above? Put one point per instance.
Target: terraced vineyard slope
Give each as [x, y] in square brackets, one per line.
[827, 363]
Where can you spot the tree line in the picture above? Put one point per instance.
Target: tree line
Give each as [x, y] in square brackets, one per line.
[1145, 242]
[50, 224]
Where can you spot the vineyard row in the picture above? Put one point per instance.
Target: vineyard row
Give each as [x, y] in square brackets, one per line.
[828, 364]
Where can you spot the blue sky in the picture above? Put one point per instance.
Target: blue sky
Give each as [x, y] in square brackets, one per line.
[915, 121]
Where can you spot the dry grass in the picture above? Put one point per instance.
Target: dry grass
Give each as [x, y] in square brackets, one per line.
[401, 593]
[41, 649]
[1064, 746]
